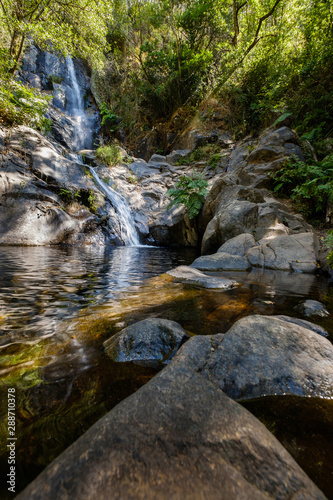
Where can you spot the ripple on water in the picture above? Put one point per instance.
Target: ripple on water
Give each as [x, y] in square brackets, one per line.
[57, 305]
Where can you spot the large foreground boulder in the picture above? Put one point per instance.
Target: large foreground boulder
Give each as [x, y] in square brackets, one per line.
[177, 437]
[264, 355]
[151, 342]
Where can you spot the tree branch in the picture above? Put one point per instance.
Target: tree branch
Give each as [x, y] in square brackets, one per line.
[236, 10]
[256, 38]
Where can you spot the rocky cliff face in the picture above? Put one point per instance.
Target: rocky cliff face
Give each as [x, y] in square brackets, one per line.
[49, 197]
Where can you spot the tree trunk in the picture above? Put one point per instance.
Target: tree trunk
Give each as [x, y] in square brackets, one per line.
[18, 54]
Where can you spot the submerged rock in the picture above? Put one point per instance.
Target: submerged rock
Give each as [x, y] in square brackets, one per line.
[312, 308]
[177, 437]
[190, 276]
[151, 342]
[264, 355]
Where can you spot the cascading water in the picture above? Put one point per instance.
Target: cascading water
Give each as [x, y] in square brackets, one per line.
[75, 107]
[128, 232]
[83, 139]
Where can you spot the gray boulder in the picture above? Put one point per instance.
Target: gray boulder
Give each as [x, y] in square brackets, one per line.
[151, 342]
[190, 276]
[238, 245]
[305, 324]
[278, 137]
[221, 262]
[46, 161]
[157, 159]
[262, 356]
[177, 155]
[31, 222]
[177, 437]
[141, 169]
[296, 252]
[237, 217]
[312, 308]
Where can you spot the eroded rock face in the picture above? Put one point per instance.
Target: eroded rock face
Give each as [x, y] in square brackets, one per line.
[298, 252]
[238, 245]
[239, 203]
[264, 355]
[151, 342]
[178, 437]
[31, 222]
[33, 177]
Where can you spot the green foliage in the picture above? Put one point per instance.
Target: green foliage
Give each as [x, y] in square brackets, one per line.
[309, 185]
[281, 118]
[210, 153]
[189, 192]
[329, 243]
[70, 26]
[193, 157]
[109, 119]
[214, 160]
[54, 79]
[92, 200]
[20, 104]
[68, 195]
[132, 179]
[109, 155]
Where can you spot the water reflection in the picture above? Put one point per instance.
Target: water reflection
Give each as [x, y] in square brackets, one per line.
[57, 305]
[40, 287]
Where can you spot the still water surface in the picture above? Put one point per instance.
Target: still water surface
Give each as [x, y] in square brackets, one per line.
[57, 306]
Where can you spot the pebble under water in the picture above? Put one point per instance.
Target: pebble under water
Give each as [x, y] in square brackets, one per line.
[58, 305]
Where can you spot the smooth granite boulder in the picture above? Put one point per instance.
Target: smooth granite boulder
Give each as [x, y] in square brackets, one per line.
[306, 324]
[178, 437]
[262, 356]
[297, 252]
[238, 245]
[221, 261]
[190, 276]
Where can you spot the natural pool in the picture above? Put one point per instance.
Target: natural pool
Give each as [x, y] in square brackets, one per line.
[58, 305]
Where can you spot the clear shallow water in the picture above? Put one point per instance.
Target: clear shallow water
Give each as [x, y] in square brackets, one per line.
[58, 305]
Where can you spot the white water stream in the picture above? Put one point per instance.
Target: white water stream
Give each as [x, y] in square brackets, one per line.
[128, 232]
[83, 134]
[75, 107]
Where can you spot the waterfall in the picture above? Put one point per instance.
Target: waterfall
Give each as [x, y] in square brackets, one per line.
[83, 139]
[75, 107]
[128, 232]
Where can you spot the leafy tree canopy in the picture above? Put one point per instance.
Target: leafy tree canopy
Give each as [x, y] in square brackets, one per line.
[71, 26]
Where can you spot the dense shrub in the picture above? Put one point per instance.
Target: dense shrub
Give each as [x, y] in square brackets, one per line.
[109, 155]
[308, 184]
[20, 104]
[189, 192]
